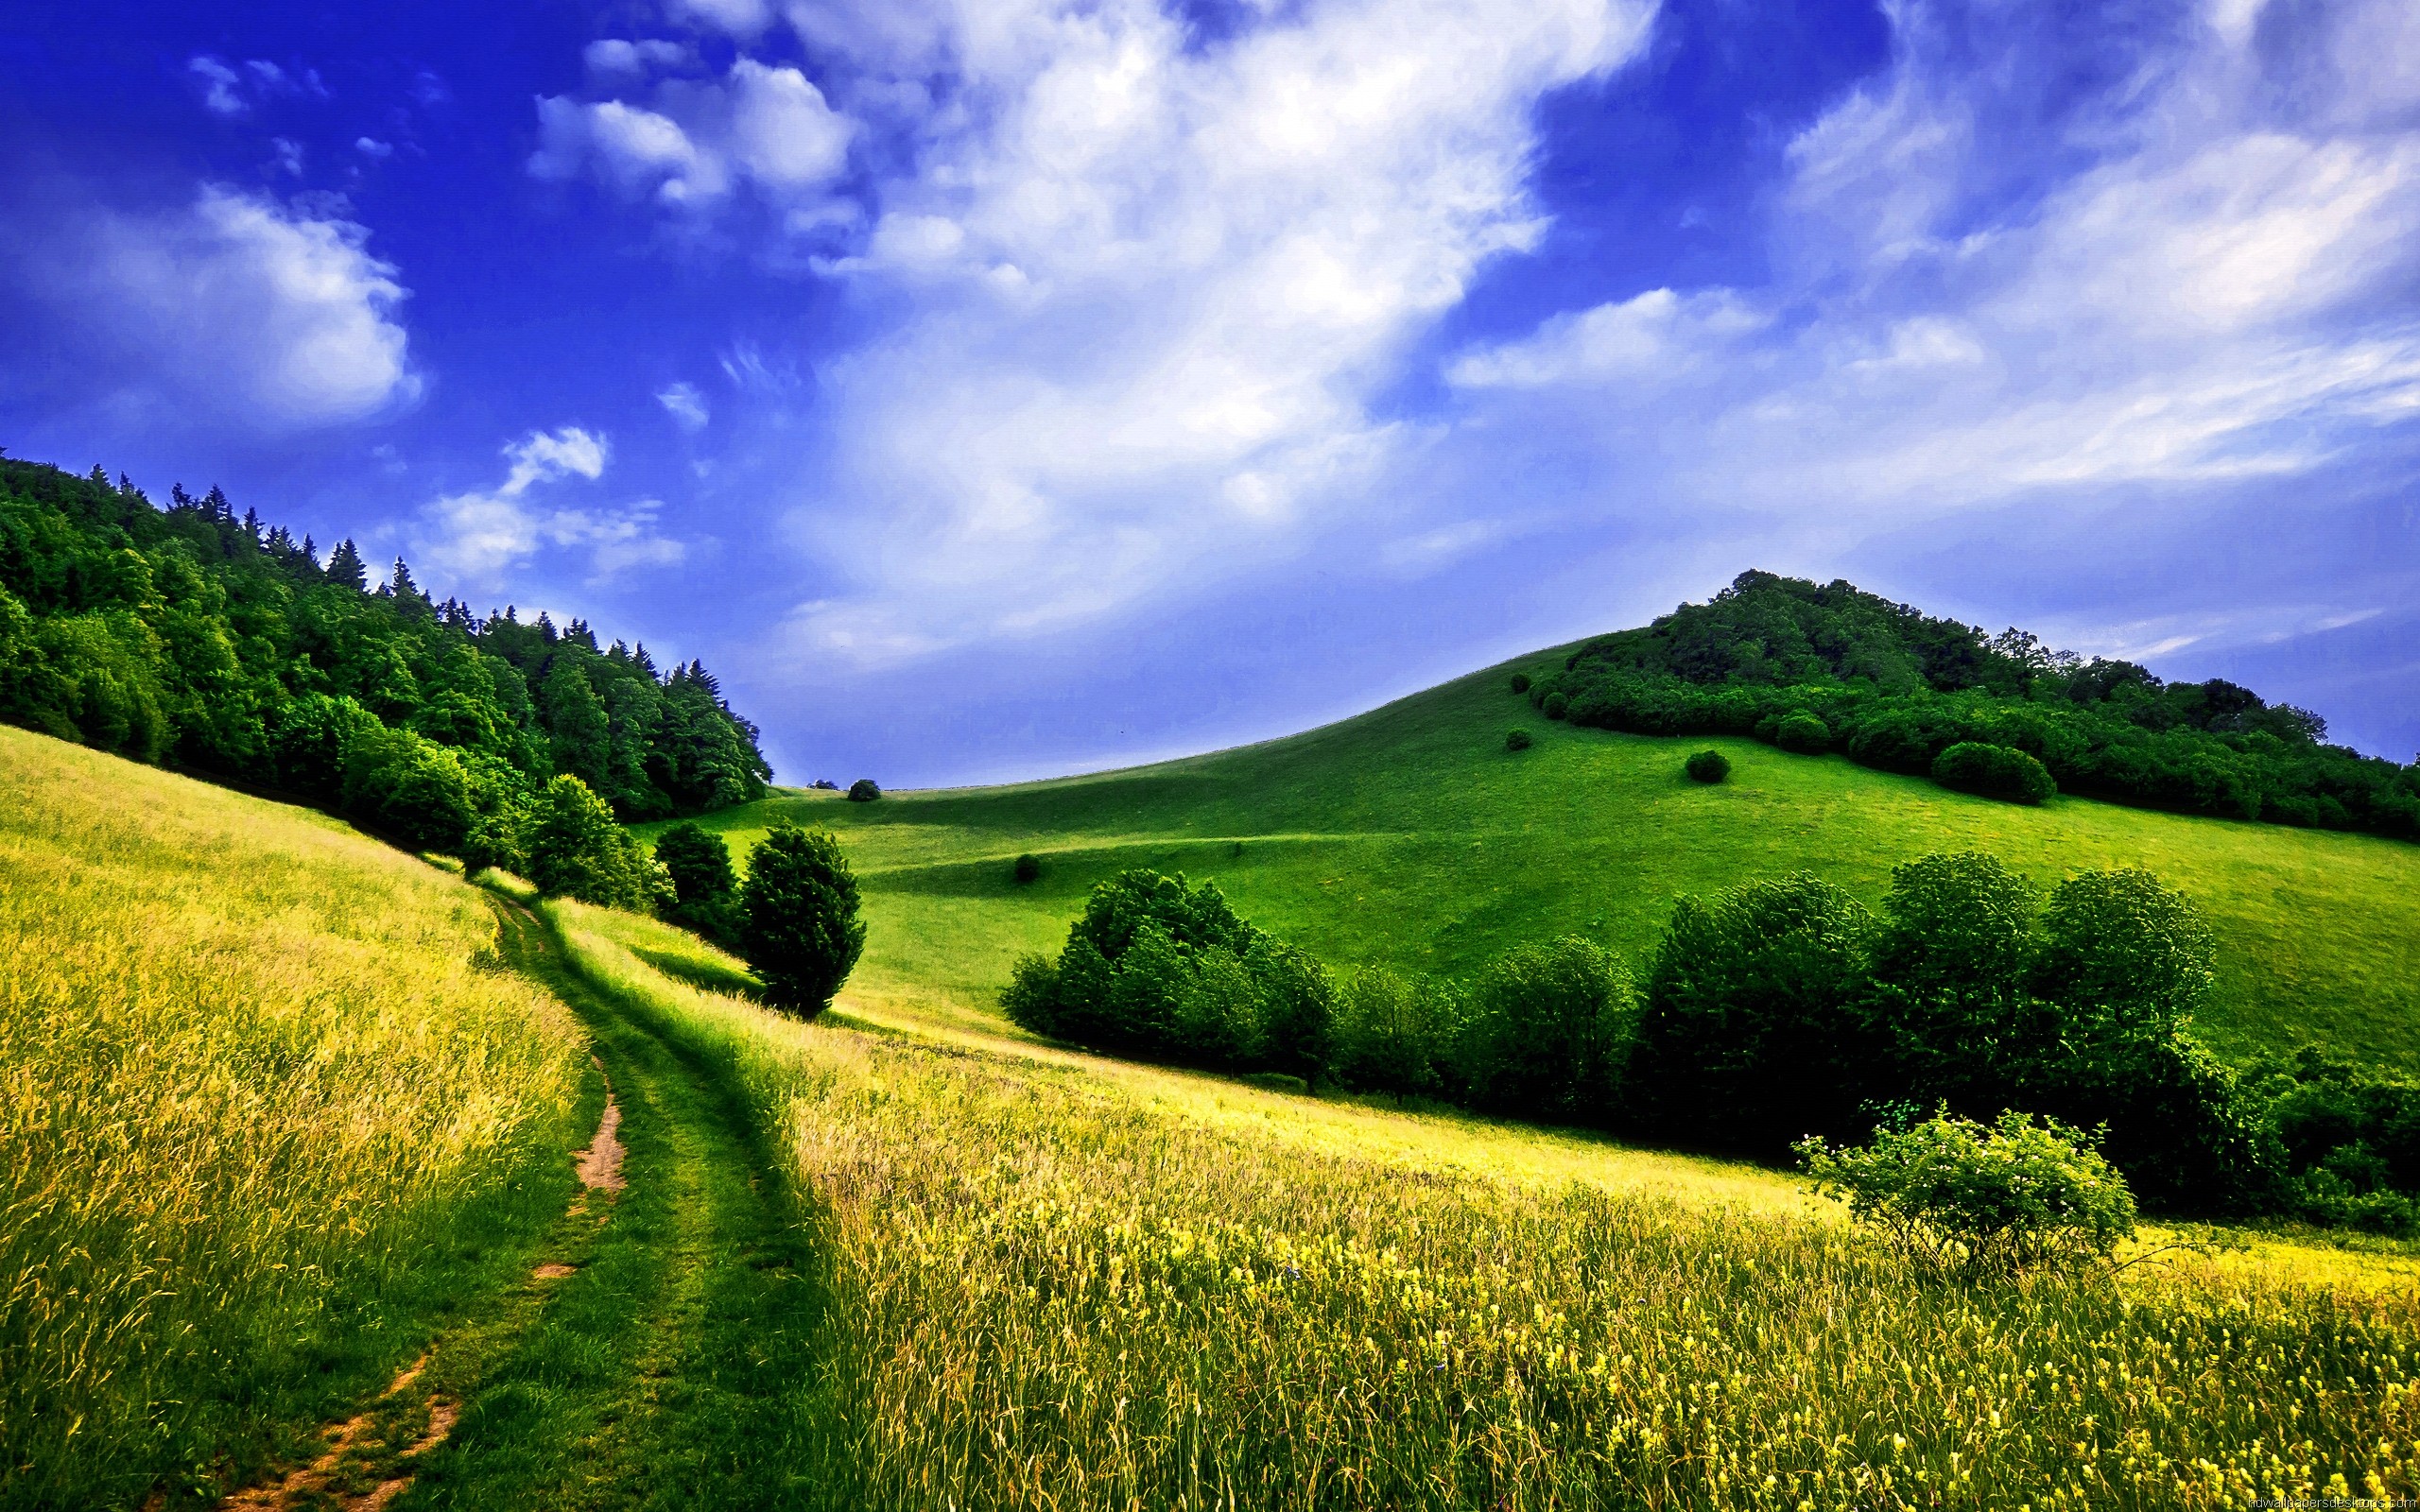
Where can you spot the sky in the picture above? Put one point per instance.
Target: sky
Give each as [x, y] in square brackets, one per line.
[992, 390]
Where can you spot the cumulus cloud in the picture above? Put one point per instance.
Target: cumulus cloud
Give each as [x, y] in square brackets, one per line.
[238, 307]
[693, 141]
[479, 536]
[1157, 287]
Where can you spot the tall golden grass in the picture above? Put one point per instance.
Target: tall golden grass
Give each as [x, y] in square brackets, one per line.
[1068, 1289]
[250, 1072]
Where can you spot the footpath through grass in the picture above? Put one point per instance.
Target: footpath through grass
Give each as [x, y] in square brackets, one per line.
[1411, 837]
[1067, 1283]
[677, 1365]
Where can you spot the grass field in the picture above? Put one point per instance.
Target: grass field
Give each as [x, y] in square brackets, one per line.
[266, 1118]
[1411, 837]
[1075, 1284]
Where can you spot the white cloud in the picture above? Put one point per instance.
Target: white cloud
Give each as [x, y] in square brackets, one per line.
[373, 149]
[220, 86]
[695, 141]
[613, 59]
[238, 305]
[1158, 287]
[741, 18]
[479, 536]
[685, 404]
[2211, 295]
[1652, 336]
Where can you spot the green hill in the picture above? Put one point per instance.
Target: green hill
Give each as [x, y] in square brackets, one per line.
[1409, 836]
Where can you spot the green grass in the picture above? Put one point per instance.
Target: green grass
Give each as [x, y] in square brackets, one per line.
[271, 1115]
[1411, 837]
[1074, 1283]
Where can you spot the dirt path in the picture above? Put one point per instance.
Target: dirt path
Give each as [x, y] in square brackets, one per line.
[662, 1351]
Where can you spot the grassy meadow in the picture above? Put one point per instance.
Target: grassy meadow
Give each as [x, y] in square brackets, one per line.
[1409, 837]
[1070, 1284]
[268, 1109]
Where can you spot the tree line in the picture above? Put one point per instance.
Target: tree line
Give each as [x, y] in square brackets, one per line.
[1814, 667]
[1778, 1010]
[194, 637]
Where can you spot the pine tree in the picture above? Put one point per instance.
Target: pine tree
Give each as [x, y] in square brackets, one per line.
[546, 628]
[401, 586]
[216, 508]
[100, 478]
[345, 566]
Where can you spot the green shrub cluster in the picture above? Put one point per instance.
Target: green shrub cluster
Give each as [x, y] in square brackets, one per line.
[1994, 771]
[1955, 1195]
[795, 920]
[1708, 767]
[1895, 689]
[1774, 1011]
[197, 639]
[1516, 739]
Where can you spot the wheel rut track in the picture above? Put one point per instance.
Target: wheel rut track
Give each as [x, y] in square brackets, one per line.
[662, 1351]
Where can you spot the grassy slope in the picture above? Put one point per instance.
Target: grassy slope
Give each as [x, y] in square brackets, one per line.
[1077, 1283]
[264, 1123]
[1408, 836]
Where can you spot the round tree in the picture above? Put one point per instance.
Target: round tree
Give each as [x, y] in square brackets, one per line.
[864, 790]
[1709, 766]
[800, 929]
[1028, 868]
[1516, 739]
[1520, 682]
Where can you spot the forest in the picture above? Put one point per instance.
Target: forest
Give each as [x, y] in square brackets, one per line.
[1813, 667]
[215, 643]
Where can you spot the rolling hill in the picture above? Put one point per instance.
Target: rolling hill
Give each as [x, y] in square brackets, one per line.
[1409, 836]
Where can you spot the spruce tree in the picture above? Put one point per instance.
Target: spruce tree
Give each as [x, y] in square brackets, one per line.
[345, 566]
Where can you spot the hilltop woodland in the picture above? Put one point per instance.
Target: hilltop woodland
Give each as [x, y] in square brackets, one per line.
[193, 638]
[1831, 667]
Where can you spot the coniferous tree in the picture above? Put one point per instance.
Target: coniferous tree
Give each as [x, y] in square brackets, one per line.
[345, 566]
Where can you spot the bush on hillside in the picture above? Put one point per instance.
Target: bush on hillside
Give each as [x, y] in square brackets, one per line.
[864, 790]
[1994, 771]
[1955, 1195]
[1548, 1034]
[576, 849]
[1025, 868]
[1397, 1034]
[1709, 766]
[1520, 682]
[1554, 706]
[1750, 1033]
[1804, 733]
[1516, 739]
[800, 931]
[705, 895]
[1161, 967]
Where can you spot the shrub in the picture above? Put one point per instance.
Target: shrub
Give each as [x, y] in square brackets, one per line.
[1395, 1034]
[1516, 739]
[1520, 682]
[864, 790]
[576, 850]
[1804, 733]
[1709, 766]
[1027, 869]
[705, 896]
[800, 929]
[1555, 706]
[1549, 1032]
[1994, 771]
[1750, 1035]
[1955, 1195]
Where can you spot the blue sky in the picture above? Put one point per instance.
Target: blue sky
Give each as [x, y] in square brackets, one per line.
[996, 389]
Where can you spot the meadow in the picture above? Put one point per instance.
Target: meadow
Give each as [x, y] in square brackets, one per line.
[1074, 1283]
[1409, 837]
[270, 1109]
